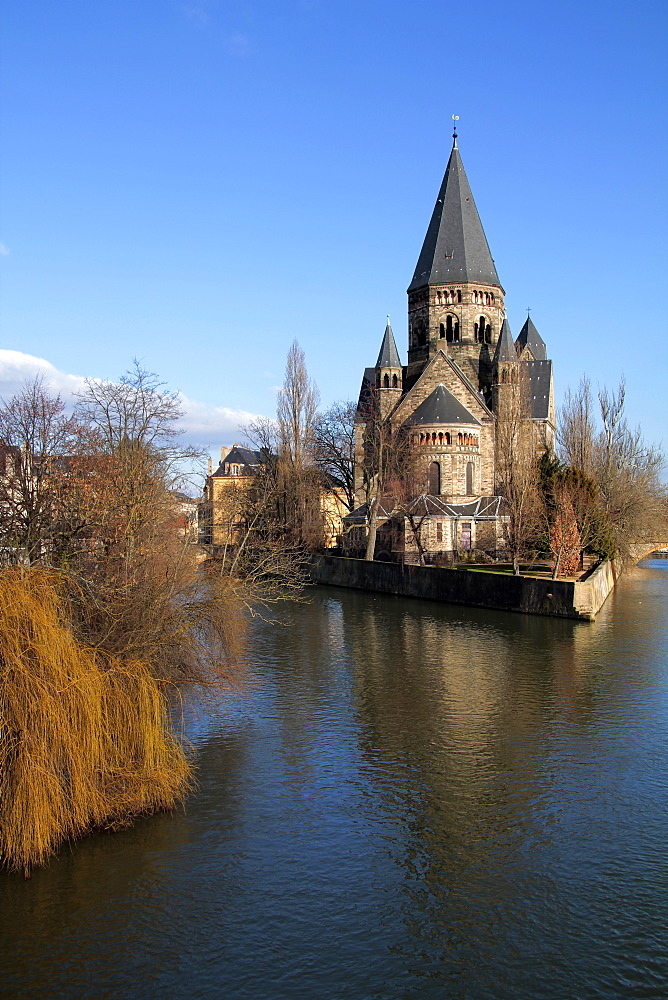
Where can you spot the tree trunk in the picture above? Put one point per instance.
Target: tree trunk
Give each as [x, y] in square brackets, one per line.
[373, 527]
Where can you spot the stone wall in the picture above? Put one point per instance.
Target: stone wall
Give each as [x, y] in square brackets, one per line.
[529, 595]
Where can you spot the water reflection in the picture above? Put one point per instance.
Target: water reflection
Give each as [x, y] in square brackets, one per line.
[404, 800]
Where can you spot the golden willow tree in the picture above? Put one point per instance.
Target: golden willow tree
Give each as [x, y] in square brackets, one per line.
[104, 613]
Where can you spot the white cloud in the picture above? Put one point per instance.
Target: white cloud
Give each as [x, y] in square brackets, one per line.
[16, 367]
[203, 423]
[4, 250]
[215, 425]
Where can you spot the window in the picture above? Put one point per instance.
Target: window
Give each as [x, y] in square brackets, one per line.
[482, 331]
[469, 479]
[386, 381]
[435, 479]
[395, 382]
[451, 329]
[439, 531]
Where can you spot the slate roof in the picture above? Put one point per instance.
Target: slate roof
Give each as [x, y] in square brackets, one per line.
[389, 355]
[505, 348]
[239, 456]
[540, 378]
[483, 508]
[530, 336]
[441, 407]
[366, 394]
[455, 247]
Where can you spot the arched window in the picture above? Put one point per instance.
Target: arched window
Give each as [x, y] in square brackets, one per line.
[459, 295]
[433, 438]
[447, 437]
[451, 329]
[435, 479]
[469, 479]
[504, 376]
[441, 331]
[386, 381]
[460, 439]
[440, 437]
[395, 382]
[483, 331]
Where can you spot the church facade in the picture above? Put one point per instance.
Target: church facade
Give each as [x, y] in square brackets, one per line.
[463, 367]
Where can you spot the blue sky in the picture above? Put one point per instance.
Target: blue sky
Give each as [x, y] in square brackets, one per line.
[197, 183]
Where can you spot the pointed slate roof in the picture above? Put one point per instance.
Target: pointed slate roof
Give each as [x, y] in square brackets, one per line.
[455, 247]
[442, 407]
[530, 337]
[389, 355]
[505, 349]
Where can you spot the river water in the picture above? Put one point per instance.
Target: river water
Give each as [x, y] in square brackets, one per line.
[404, 800]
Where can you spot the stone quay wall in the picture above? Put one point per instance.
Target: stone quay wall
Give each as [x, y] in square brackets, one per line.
[527, 595]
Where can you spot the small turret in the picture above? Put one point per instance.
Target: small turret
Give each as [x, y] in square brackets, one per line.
[530, 338]
[505, 366]
[389, 372]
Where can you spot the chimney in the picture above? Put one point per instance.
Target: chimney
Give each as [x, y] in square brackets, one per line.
[210, 465]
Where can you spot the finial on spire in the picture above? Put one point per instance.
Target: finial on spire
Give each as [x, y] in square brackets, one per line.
[455, 119]
[388, 320]
[528, 311]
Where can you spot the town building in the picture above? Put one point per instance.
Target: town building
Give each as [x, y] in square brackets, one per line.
[464, 370]
[221, 508]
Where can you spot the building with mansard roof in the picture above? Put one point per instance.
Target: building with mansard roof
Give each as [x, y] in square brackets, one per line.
[462, 367]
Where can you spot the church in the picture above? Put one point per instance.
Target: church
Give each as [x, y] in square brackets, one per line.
[445, 403]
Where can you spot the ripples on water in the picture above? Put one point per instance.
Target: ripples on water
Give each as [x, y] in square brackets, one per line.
[407, 800]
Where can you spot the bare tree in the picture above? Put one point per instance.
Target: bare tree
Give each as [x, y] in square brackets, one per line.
[298, 477]
[625, 470]
[576, 428]
[628, 472]
[335, 448]
[36, 437]
[516, 469]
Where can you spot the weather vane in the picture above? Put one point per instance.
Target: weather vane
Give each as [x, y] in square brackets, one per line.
[455, 119]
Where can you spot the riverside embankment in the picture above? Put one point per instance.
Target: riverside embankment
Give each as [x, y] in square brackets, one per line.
[580, 599]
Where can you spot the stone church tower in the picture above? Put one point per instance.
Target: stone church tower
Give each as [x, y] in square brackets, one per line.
[455, 300]
[462, 364]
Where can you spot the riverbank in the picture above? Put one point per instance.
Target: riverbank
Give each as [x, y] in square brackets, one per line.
[581, 599]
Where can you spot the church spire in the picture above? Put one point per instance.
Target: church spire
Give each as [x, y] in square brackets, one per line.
[505, 348]
[455, 248]
[389, 355]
